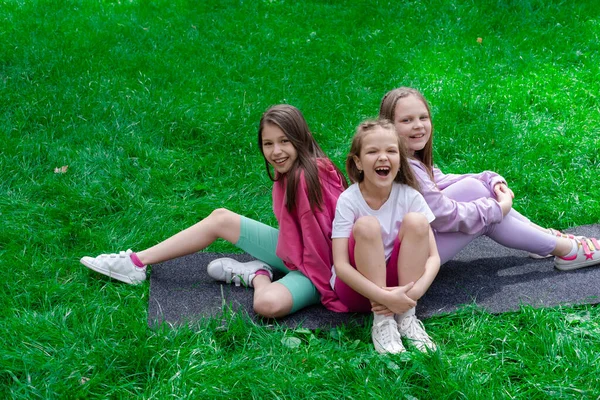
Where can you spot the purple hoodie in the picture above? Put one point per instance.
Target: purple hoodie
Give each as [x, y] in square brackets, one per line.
[454, 216]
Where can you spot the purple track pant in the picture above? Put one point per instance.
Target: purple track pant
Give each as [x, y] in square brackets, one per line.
[514, 231]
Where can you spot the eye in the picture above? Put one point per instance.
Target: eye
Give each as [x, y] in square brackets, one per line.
[265, 144]
[285, 140]
[425, 118]
[405, 120]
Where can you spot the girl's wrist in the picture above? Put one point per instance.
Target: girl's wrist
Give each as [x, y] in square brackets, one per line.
[382, 296]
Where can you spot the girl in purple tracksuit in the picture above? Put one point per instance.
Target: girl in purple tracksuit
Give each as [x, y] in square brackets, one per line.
[471, 205]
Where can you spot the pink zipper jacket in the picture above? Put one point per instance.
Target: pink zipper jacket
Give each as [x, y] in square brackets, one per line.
[304, 241]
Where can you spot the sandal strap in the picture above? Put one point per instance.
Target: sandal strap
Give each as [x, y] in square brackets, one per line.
[560, 234]
[586, 247]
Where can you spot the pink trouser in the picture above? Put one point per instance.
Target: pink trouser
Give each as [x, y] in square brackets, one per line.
[514, 231]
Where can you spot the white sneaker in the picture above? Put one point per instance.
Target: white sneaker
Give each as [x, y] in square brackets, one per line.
[386, 337]
[411, 328]
[588, 254]
[117, 266]
[229, 270]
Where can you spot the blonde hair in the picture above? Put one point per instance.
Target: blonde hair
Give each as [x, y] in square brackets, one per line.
[405, 174]
[387, 110]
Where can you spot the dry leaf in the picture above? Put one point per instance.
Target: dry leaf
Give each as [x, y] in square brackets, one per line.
[61, 170]
[479, 40]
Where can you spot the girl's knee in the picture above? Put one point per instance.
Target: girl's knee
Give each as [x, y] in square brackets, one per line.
[366, 227]
[468, 189]
[223, 219]
[271, 304]
[416, 224]
[222, 215]
[224, 224]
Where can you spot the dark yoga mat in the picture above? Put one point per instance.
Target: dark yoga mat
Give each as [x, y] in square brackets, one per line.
[495, 278]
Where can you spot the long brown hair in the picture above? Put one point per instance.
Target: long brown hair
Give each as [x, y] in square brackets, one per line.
[291, 121]
[405, 173]
[387, 110]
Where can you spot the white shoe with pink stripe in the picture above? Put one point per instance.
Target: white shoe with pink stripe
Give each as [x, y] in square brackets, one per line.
[588, 254]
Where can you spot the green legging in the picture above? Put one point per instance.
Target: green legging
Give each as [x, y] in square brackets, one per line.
[260, 241]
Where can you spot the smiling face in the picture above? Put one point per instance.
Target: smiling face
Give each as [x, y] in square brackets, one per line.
[277, 148]
[413, 122]
[379, 158]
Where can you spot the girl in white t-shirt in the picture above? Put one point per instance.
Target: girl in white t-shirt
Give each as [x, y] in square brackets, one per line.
[380, 211]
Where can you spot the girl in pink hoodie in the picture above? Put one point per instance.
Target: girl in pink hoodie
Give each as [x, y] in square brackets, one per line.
[471, 205]
[306, 186]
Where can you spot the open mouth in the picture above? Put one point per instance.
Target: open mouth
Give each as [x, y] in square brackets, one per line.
[280, 161]
[382, 171]
[417, 136]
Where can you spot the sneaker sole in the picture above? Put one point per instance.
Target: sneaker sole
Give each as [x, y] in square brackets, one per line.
[421, 346]
[119, 277]
[539, 257]
[571, 267]
[381, 350]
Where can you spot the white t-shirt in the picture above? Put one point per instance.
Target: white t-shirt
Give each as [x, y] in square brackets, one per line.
[403, 199]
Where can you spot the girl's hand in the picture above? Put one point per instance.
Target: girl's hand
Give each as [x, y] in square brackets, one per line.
[396, 301]
[501, 187]
[505, 202]
[380, 309]
[504, 196]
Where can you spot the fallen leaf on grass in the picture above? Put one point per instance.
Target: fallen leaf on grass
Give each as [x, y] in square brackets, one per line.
[61, 170]
[291, 342]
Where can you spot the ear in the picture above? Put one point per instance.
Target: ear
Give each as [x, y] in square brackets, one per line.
[357, 163]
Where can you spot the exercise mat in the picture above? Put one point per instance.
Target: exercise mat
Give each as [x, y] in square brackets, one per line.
[485, 273]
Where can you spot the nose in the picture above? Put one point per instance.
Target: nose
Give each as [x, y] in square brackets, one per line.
[418, 124]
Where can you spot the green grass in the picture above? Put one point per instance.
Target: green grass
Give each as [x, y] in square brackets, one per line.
[154, 107]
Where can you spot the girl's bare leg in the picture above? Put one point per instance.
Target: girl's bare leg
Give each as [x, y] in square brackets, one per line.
[271, 299]
[414, 249]
[221, 223]
[563, 247]
[368, 251]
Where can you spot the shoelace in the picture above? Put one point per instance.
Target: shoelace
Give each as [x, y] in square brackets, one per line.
[414, 329]
[386, 331]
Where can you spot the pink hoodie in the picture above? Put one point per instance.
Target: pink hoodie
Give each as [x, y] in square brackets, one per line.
[304, 241]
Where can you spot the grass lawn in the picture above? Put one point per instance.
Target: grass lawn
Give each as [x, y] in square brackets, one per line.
[152, 109]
